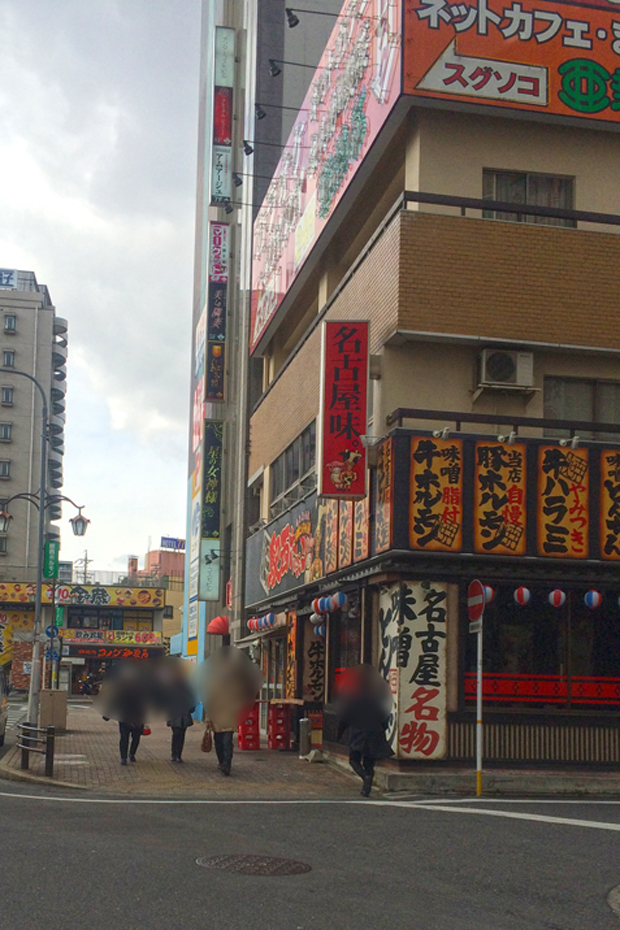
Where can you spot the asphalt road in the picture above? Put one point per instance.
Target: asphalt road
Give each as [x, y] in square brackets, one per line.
[127, 865]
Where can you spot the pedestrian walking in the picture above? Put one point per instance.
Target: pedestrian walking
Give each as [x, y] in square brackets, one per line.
[364, 708]
[229, 681]
[180, 697]
[123, 697]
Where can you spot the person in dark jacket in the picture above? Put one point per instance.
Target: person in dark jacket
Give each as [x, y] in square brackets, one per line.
[364, 709]
[123, 698]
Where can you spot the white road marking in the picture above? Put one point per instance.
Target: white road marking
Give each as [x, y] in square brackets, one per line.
[427, 801]
[509, 815]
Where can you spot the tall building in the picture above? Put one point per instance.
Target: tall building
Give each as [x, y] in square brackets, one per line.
[449, 183]
[32, 340]
[244, 120]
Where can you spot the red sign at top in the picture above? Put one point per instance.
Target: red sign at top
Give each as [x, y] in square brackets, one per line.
[475, 600]
[341, 463]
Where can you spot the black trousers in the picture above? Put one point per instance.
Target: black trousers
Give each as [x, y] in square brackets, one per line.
[178, 741]
[224, 748]
[362, 765]
[127, 730]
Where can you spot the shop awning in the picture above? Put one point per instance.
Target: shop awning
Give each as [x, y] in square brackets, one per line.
[219, 626]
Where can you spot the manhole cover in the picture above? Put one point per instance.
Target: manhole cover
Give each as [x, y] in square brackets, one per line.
[254, 865]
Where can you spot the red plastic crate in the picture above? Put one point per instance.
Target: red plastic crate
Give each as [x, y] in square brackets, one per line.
[249, 723]
[248, 741]
[251, 712]
[277, 741]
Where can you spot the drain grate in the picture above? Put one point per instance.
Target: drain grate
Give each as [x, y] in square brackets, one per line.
[254, 865]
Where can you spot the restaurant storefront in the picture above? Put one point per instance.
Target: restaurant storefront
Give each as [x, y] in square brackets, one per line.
[536, 521]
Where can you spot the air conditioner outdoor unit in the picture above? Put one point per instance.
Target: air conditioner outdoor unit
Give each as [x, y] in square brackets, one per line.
[504, 368]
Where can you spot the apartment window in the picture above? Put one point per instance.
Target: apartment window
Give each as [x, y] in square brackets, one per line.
[10, 323]
[2, 545]
[582, 399]
[5, 468]
[8, 358]
[7, 397]
[168, 612]
[6, 432]
[293, 472]
[540, 190]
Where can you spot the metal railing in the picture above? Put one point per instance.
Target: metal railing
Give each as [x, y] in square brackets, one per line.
[42, 744]
[397, 416]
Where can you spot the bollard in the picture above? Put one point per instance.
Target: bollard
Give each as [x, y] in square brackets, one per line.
[305, 743]
[25, 743]
[50, 739]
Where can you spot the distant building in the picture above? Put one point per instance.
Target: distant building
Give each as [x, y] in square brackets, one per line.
[33, 340]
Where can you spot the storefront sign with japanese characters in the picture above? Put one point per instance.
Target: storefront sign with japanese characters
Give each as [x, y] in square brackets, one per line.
[384, 496]
[552, 57]
[290, 689]
[217, 298]
[421, 663]
[223, 82]
[314, 666]
[209, 583]
[610, 504]
[500, 498]
[341, 465]
[436, 511]
[563, 509]
[389, 613]
[360, 530]
[345, 534]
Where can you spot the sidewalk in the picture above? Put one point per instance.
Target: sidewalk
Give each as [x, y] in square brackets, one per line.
[87, 757]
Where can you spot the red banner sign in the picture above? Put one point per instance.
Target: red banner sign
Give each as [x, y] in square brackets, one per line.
[343, 412]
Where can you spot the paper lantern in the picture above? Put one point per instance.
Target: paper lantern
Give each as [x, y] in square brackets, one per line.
[338, 601]
[319, 629]
[522, 596]
[252, 627]
[324, 604]
[557, 598]
[269, 619]
[316, 618]
[593, 599]
[316, 605]
[219, 626]
[489, 594]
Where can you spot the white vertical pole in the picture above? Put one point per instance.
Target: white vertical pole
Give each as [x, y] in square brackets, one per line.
[479, 713]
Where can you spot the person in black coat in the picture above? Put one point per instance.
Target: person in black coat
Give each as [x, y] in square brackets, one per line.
[181, 700]
[364, 709]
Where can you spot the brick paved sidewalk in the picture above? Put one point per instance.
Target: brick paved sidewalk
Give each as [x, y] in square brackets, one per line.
[87, 756]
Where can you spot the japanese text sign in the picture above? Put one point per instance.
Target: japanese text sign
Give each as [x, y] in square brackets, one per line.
[610, 504]
[436, 508]
[500, 501]
[352, 93]
[341, 466]
[210, 546]
[223, 80]
[215, 322]
[50, 562]
[547, 57]
[421, 664]
[384, 495]
[563, 517]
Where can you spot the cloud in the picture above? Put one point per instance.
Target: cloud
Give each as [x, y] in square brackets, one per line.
[97, 149]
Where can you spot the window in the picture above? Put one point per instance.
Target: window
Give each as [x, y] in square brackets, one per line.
[10, 323]
[293, 472]
[6, 432]
[582, 399]
[5, 468]
[541, 190]
[8, 358]
[7, 397]
[2, 545]
[168, 612]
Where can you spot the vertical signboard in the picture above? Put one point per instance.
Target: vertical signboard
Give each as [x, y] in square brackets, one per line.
[360, 530]
[563, 514]
[351, 96]
[388, 652]
[50, 561]
[436, 508]
[221, 148]
[500, 499]
[383, 502]
[421, 661]
[610, 504]
[345, 534]
[290, 689]
[210, 518]
[215, 317]
[341, 466]
[314, 666]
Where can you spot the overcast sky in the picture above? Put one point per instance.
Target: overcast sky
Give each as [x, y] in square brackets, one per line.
[98, 161]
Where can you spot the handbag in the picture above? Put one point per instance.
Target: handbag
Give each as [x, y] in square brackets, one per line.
[207, 739]
[146, 731]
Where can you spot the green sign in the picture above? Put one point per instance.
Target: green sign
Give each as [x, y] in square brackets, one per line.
[60, 615]
[50, 561]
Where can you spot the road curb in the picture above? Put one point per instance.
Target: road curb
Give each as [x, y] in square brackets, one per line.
[9, 774]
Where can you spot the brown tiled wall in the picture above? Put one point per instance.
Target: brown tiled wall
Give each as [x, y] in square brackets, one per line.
[464, 276]
[509, 280]
[293, 402]
[22, 652]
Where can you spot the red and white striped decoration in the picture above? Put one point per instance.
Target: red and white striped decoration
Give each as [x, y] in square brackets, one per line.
[522, 596]
[557, 598]
[489, 594]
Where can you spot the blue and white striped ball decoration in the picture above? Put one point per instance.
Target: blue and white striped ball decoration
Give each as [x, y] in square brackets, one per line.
[593, 599]
[489, 594]
[338, 601]
[319, 629]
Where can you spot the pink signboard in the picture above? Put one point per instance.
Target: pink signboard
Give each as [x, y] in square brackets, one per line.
[351, 95]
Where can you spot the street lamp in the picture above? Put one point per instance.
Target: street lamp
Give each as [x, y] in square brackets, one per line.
[79, 524]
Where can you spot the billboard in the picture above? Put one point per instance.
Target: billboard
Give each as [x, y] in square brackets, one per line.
[215, 322]
[351, 95]
[543, 57]
[221, 149]
[210, 531]
[341, 465]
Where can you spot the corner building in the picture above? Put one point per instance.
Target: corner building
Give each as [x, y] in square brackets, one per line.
[451, 179]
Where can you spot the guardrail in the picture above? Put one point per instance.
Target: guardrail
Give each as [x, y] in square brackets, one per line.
[29, 742]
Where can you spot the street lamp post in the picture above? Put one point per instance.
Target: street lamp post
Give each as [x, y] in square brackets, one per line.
[79, 524]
